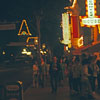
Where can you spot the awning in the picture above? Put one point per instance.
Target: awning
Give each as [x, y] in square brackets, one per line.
[92, 48]
[89, 49]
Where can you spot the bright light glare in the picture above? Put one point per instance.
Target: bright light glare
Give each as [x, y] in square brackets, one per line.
[3, 52]
[29, 53]
[66, 29]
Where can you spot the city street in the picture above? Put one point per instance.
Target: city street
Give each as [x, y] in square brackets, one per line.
[24, 74]
[14, 73]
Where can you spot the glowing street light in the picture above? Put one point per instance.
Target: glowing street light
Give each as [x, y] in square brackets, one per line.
[43, 46]
[3, 52]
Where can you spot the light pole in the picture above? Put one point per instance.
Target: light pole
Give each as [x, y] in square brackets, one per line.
[38, 19]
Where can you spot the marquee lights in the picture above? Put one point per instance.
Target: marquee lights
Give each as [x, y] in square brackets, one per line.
[91, 19]
[24, 32]
[66, 29]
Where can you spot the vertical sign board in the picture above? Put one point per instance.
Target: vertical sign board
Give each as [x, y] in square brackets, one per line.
[13, 91]
[66, 29]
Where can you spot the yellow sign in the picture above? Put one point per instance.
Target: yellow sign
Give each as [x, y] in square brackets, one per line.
[24, 32]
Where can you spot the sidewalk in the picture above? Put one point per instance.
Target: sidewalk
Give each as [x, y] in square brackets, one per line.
[45, 94]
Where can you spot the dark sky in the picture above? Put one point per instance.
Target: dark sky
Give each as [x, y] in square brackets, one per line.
[20, 8]
[16, 10]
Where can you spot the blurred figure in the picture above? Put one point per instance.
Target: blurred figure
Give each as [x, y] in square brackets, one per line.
[95, 70]
[86, 87]
[70, 73]
[35, 74]
[63, 71]
[54, 74]
[42, 73]
[90, 71]
[76, 73]
[98, 75]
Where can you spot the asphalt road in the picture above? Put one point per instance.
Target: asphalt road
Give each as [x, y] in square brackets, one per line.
[16, 72]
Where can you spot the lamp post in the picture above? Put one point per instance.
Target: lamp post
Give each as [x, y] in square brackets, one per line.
[38, 19]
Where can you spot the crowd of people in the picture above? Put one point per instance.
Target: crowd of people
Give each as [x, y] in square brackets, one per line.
[82, 72]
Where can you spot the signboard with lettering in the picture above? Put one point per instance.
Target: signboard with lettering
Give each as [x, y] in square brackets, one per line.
[66, 29]
[91, 19]
[13, 91]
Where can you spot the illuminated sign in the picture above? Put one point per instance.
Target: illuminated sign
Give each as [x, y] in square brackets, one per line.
[91, 19]
[74, 2]
[34, 39]
[99, 28]
[24, 32]
[80, 41]
[66, 29]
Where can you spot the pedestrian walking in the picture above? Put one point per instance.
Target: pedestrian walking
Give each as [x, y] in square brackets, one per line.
[95, 70]
[70, 75]
[54, 74]
[76, 71]
[86, 91]
[42, 73]
[98, 75]
[35, 74]
[63, 71]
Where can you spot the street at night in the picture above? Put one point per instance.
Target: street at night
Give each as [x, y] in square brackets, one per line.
[24, 74]
[50, 50]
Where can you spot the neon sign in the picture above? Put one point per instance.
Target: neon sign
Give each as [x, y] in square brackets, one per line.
[24, 32]
[80, 41]
[91, 19]
[66, 29]
[34, 39]
[74, 2]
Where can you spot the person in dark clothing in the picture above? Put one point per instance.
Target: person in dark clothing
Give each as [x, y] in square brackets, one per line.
[98, 76]
[54, 74]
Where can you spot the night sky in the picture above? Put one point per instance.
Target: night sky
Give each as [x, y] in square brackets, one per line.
[17, 10]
